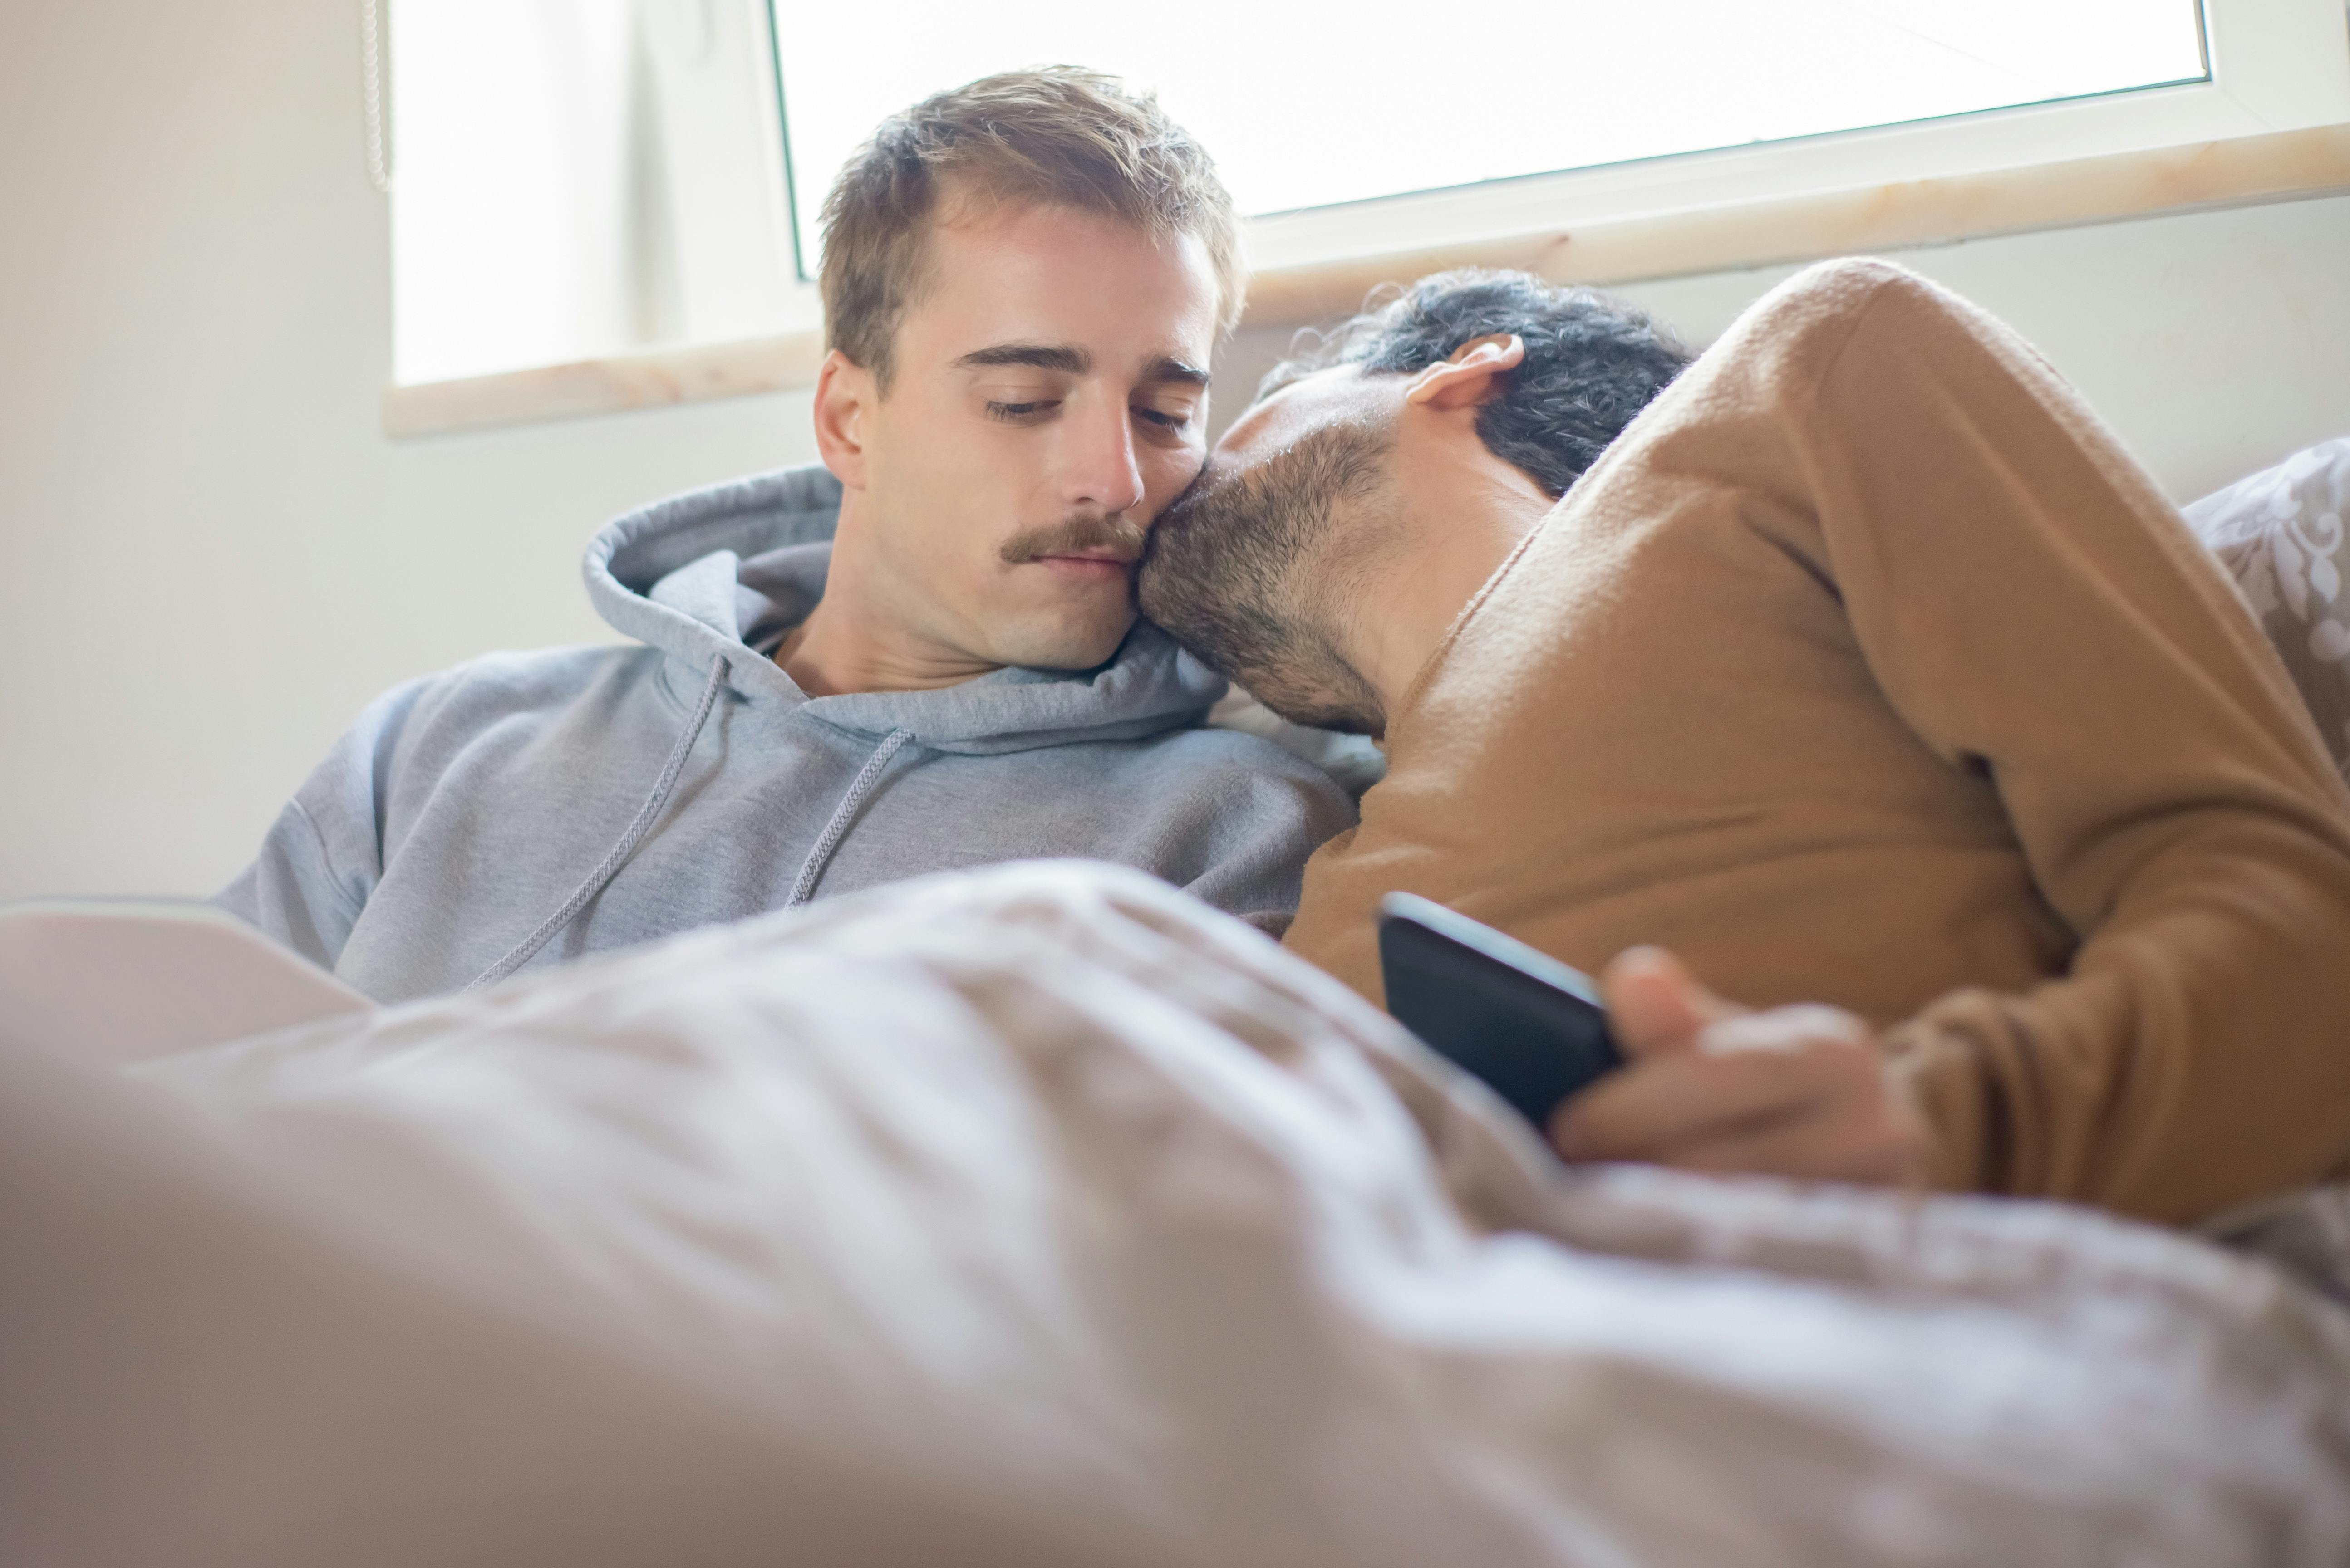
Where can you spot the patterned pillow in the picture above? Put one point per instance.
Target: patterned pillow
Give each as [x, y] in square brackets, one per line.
[2280, 534]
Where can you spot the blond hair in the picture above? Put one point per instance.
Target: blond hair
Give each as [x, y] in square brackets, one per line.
[1058, 136]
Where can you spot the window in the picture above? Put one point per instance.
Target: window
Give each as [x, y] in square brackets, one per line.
[577, 179]
[1302, 113]
[1429, 125]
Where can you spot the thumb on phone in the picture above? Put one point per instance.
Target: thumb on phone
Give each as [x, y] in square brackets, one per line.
[1654, 1006]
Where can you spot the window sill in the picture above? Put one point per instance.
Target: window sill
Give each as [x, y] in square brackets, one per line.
[2278, 166]
[655, 379]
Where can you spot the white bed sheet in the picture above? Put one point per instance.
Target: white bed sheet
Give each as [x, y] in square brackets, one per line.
[1079, 1223]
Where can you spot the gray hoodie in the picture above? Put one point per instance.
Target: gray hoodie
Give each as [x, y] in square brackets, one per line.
[526, 808]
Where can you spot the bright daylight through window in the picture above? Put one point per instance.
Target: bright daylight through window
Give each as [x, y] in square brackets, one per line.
[578, 178]
[1302, 113]
[574, 178]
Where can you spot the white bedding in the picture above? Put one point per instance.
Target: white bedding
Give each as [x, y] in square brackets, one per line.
[1037, 1214]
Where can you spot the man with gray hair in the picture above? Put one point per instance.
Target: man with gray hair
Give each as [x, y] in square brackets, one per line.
[1860, 667]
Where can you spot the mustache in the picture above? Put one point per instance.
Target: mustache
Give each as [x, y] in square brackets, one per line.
[1121, 537]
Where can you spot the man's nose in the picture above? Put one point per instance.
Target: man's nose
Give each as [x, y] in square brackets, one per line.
[1102, 470]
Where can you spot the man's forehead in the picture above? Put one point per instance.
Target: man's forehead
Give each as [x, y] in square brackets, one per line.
[1025, 273]
[1296, 408]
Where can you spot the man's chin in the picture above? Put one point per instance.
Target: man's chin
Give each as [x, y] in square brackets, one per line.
[1084, 643]
[1086, 571]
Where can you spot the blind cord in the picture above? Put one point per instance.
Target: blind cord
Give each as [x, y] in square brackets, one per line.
[371, 73]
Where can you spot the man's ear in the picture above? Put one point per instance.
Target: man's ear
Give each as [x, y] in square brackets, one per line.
[1471, 376]
[846, 393]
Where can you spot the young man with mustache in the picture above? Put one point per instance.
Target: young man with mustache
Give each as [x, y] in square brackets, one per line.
[1860, 667]
[922, 656]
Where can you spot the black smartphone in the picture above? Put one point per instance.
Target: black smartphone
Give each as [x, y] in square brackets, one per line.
[1527, 1024]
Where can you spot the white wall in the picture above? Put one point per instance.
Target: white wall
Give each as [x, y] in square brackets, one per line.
[2213, 343]
[213, 557]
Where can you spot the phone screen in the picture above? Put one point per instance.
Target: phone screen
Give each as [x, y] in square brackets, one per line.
[1531, 1027]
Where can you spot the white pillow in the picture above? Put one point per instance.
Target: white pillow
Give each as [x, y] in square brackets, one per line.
[1355, 761]
[2280, 534]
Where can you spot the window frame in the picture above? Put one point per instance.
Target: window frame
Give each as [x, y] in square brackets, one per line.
[2274, 64]
[2277, 68]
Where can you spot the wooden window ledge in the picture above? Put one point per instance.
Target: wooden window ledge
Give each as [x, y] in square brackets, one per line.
[2276, 167]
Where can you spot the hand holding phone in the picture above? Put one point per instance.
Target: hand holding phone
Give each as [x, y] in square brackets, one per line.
[1531, 1027]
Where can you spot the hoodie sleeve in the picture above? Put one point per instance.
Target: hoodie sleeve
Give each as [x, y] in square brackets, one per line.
[1251, 827]
[324, 857]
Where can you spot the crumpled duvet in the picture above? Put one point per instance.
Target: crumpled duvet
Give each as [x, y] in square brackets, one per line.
[1045, 1193]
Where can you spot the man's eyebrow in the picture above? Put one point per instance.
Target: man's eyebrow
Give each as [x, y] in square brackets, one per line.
[1167, 368]
[1075, 361]
[1035, 356]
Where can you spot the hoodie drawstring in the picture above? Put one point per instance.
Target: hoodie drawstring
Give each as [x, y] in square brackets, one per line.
[838, 828]
[647, 814]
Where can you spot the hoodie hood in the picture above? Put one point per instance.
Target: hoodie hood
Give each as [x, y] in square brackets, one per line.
[706, 575]
[578, 800]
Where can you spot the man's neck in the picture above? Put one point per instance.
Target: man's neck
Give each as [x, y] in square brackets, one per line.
[829, 655]
[1449, 547]
[850, 642]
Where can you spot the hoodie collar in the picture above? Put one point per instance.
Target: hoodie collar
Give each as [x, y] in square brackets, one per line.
[715, 571]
